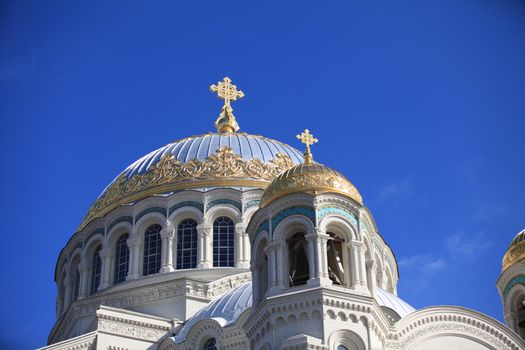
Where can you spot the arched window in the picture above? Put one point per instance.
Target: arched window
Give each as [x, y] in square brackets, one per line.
[211, 344]
[263, 276]
[96, 270]
[121, 259]
[152, 250]
[187, 244]
[223, 238]
[341, 347]
[76, 285]
[298, 260]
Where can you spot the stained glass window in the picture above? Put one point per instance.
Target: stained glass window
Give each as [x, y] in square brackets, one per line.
[152, 250]
[223, 242]
[187, 244]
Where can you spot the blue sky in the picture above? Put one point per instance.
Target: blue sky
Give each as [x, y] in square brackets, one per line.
[420, 103]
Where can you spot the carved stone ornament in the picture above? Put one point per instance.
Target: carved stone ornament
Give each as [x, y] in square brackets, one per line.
[452, 328]
[133, 331]
[223, 168]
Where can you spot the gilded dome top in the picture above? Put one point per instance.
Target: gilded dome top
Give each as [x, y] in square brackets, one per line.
[309, 177]
[209, 160]
[516, 251]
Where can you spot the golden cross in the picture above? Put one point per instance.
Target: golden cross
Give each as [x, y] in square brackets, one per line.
[308, 139]
[227, 91]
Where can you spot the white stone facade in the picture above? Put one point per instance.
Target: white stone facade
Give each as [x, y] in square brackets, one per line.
[308, 271]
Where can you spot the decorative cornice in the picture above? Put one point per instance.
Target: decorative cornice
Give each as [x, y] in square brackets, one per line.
[224, 168]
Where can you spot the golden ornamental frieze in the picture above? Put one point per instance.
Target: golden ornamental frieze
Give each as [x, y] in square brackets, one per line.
[310, 182]
[514, 255]
[223, 167]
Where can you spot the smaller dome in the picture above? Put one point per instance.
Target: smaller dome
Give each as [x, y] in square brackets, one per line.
[516, 251]
[309, 177]
[393, 302]
[224, 309]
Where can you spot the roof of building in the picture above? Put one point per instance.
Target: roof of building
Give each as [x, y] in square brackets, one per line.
[401, 307]
[200, 147]
[309, 177]
[520, 237]
[208, 160]
[227, 308]
[516, 251]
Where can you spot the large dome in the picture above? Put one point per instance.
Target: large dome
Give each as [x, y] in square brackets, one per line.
[209, 160]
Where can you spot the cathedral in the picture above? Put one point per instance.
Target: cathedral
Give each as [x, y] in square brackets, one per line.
[228, 240]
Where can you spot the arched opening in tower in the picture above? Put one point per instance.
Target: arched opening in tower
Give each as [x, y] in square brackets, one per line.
[521, 319]
[298, 260]
[335, 259]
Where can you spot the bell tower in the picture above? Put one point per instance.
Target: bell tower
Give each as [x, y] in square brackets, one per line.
[511, 285]
[317, 262]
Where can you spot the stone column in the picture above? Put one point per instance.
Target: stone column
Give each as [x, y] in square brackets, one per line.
[166, 259]
[240, 247]
[346, 265]
[323, 240]
[311, 239]
[105, 255]
[279, 264]
[372, 268]
[384, 278]
[255, 270]
[361, 263]
[354, 264]
[205, 242]
[134, 258]
[246, 248]
[83, 268]
[67, 293]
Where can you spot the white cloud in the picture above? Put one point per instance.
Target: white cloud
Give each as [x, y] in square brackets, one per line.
[425, 264]
[462, 246]
[395, 192]
[418, 271]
